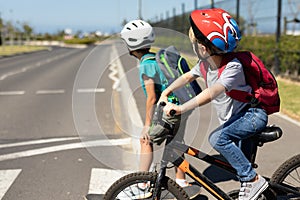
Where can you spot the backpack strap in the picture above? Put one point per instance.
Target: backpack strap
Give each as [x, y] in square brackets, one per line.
[238, 95]
[149, 58]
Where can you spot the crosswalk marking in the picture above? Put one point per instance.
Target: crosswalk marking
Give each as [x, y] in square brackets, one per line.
[7, 177]
[102, 179]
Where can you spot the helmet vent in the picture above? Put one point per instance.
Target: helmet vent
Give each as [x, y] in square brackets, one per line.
[132, 39]
[128, 28]
[134, 24]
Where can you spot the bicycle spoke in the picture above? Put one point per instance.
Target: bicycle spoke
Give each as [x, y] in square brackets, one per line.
[294, 177]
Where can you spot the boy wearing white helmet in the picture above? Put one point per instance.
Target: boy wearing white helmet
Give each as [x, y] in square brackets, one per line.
[139, 36]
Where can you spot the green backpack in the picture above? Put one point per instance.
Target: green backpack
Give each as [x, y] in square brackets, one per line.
[173, 65]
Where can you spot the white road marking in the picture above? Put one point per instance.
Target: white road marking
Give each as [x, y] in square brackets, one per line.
[78, 145]
[34, 142]
[91, 90]
[11, 93]
[135, 119]
[114, 74]
[102, 179]
[7, 177]
[50, 92]
[38, 64]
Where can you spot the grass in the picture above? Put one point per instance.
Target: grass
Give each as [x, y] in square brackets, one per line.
[290, 98]
[12, 50]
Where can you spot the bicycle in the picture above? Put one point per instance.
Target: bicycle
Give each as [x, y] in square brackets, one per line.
[284, 183]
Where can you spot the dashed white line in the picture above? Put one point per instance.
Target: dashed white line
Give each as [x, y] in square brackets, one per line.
[91, 90]
[10, 93]
[50, 92]
[58, 91]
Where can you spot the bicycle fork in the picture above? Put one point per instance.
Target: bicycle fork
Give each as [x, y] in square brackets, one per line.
[160, 178]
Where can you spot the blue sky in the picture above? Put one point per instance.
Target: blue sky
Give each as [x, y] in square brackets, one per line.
[108, 15]
[89, 15]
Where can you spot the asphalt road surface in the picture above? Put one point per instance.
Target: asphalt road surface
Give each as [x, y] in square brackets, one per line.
[69, 120]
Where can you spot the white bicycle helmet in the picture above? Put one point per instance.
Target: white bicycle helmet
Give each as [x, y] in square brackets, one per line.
[138, 34]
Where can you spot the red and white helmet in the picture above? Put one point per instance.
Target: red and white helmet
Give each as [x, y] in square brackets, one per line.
[217, 27]
[138, 34]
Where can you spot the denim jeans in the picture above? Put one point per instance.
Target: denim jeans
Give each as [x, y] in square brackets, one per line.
[226, 139]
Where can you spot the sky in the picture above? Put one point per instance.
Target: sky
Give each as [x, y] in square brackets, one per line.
[107, 16]
[89, 15]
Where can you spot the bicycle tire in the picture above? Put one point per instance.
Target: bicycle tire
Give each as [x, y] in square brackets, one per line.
[288, 173]
[170, 189]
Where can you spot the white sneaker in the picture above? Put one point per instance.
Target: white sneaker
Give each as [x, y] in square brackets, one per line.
[252, 190]
[134, 192]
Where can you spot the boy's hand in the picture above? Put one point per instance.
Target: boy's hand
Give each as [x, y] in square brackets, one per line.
[163, 98]
[145, 138]
[171, 106]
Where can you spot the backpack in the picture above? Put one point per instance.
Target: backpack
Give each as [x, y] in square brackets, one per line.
[173, 65]
[264, 86]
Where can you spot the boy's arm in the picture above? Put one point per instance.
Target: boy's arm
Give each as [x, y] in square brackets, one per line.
[201, 99]
[151, 99]
[178, 83]
[204, 97]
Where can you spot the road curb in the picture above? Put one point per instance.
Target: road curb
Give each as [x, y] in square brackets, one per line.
[129, 102]
[283, 116]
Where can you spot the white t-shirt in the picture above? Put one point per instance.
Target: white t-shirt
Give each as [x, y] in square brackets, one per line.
[231, 78]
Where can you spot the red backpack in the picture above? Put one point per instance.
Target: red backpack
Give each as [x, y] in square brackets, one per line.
[264, 86]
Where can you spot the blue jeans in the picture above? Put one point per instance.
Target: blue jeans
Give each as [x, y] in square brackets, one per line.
[226, 139]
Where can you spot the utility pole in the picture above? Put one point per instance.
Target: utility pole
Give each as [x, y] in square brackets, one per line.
[212, 3]
[278, 21]
[277, 61]
[238, 11]
[140, 9]
[196, 4]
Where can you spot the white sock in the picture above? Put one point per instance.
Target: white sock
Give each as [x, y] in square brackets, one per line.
[182, 182]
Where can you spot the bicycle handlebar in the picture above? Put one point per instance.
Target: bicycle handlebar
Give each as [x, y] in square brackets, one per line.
[163, 104]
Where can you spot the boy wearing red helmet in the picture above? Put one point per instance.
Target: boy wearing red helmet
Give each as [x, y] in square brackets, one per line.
[214, 33]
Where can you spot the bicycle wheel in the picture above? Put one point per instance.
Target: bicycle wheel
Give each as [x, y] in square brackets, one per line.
[126, 186]
[289, 174]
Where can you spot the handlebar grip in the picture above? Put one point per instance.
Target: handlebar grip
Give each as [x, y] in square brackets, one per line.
[162, 103]
[172, 113]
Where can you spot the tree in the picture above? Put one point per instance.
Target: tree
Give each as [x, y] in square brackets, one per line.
[27, 30]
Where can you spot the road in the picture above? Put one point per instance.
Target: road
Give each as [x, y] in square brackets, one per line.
[43, 154]
[69, 121]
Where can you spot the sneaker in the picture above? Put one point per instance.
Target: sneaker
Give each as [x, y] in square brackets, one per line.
[252, 190]
[134, 192]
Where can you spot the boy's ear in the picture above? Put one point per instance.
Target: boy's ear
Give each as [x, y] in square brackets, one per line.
[202, 47]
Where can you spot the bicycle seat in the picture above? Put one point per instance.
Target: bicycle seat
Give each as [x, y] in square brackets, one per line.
[269, 134]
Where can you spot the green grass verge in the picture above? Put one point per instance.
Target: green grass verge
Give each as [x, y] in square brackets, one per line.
[290, 98]
[12, 50]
